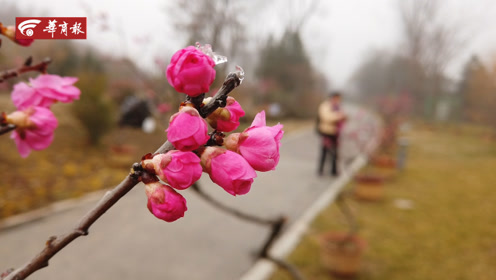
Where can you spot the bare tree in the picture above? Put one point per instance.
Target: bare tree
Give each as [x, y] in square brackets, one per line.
[431, 44]
[299, 12]
[218, 23]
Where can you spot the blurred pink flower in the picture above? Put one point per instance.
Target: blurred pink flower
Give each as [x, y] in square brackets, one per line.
[163, 108]
[191, 71]
[34, 129]
[259, 144]
[24, 42]
[187, 130]
[44, 91]
[226, 119]
[164, 202]
[228, 170]
[179, 169]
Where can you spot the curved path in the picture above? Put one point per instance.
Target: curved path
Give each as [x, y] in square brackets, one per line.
[129, 243]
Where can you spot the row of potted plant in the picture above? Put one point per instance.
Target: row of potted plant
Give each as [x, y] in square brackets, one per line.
[342, 252]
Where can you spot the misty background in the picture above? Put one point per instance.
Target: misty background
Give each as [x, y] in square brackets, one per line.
[337, 35]
[426, 68]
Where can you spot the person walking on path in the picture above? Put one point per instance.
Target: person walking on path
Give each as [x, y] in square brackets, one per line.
[329, 124]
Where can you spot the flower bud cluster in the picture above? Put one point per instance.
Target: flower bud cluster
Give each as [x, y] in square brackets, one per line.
[231, 162]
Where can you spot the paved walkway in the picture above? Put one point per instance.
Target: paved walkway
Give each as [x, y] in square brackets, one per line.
[129, 243]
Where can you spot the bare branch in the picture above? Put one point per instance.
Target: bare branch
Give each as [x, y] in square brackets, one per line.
[56, 243]
[347, 213]
[12, 73]
[291, 269]
[276, 230]
[219, 100]
[306, 15]
[231, 211]
[7, 128]
[277, 226]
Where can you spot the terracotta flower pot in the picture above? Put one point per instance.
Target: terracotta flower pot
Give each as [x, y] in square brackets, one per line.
[342, 253]
[385, 161]
[369, 187]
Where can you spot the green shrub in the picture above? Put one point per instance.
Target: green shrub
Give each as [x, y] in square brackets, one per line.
[94, 110]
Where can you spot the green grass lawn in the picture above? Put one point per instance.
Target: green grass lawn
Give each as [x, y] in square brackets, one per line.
[451, 231]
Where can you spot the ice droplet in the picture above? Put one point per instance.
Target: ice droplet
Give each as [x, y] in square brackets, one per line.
[240, 73]
[207, 49]
[218, 59]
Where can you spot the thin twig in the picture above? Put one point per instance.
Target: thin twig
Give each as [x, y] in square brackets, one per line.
[6, 128]
[197, 101]
[348, 214]
[56, 243]
[27, 67]
[291, 269]
[276, 230]
[219, 99]
[232, 211]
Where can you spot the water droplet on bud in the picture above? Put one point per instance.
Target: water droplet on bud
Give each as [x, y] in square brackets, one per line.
[240, 73]
[207, 49]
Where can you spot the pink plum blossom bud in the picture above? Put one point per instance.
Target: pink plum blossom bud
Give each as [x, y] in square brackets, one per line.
[9, 32]
[226, 119]
[259, 144]
[179, 169]
[187, 130]
[44, 91]
[24, 42]
[228, 170]
[191, 71]
[164, 202]
[34, 129]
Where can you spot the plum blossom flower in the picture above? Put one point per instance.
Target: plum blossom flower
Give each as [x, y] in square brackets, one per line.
[191, 71]
[45, 90]
[228, 170]
[259, 144]
[34, 129]
[187, 130]
[226, 119]
[164, 202]
[179, 169]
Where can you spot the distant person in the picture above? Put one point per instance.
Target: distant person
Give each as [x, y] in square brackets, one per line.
[329, 124]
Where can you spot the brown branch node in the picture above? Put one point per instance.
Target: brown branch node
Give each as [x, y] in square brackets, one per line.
[26, 67]
[219, 100]
[7, 128]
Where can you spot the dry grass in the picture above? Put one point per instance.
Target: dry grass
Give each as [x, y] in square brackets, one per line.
[451, 231]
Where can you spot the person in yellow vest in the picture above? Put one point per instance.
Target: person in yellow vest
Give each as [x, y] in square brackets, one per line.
[330, 122]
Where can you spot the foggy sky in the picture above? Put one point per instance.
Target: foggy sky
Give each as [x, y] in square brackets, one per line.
[337, 36]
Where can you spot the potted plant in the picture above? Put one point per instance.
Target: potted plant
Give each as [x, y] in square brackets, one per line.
[342, 252]
[369, 187]
[383, 160]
